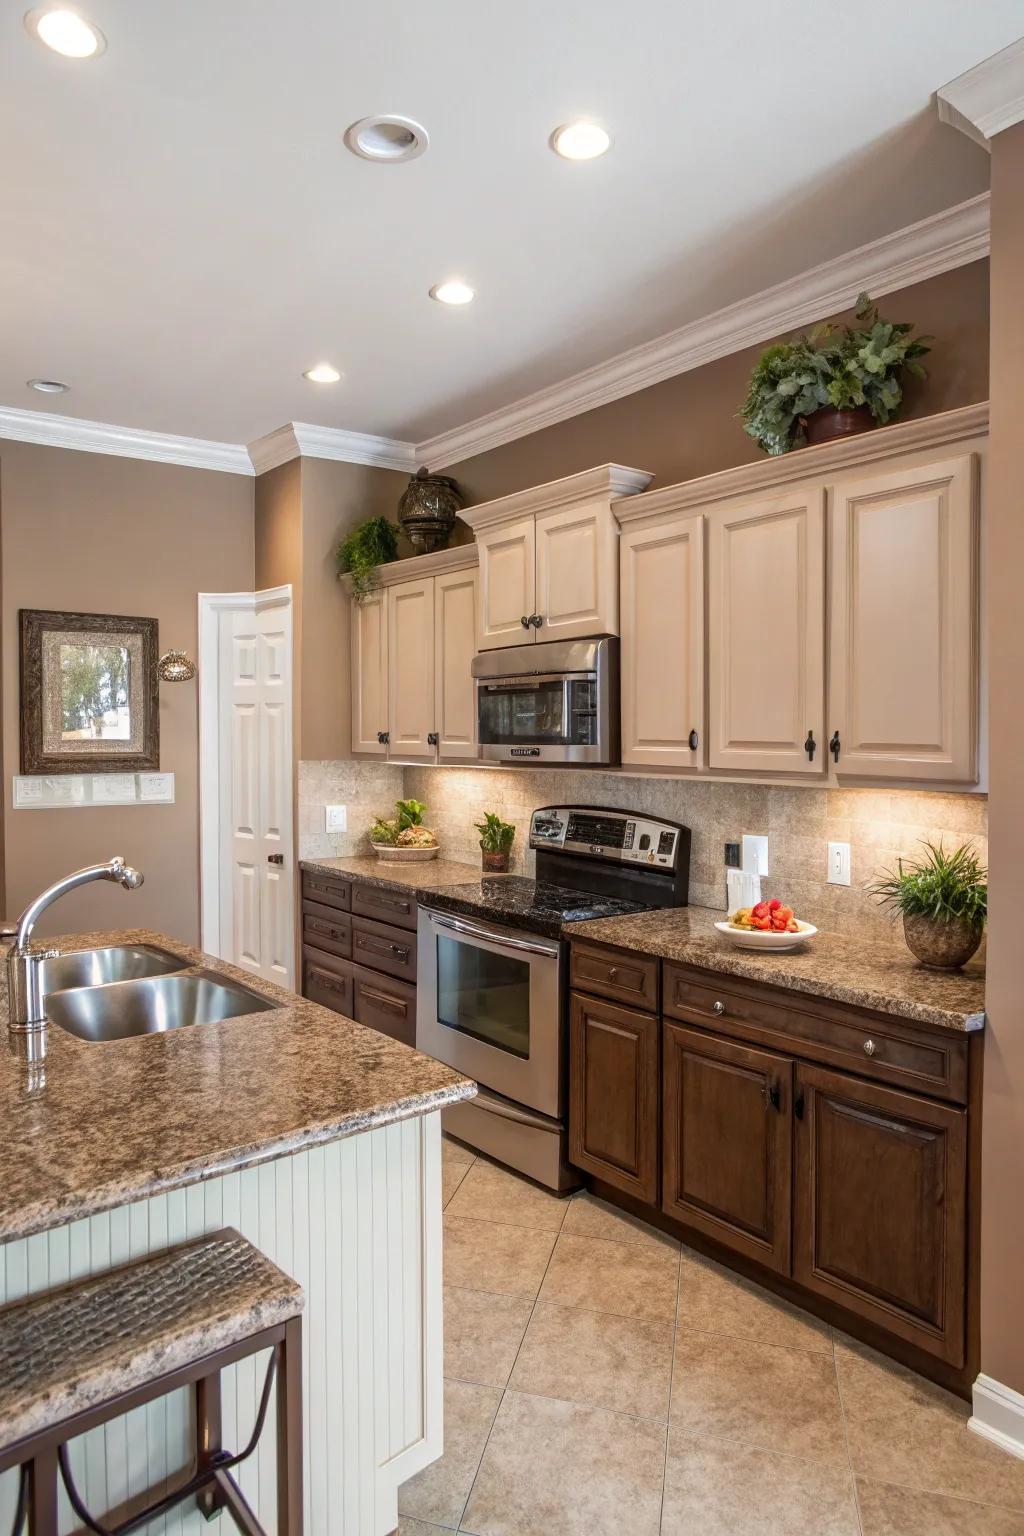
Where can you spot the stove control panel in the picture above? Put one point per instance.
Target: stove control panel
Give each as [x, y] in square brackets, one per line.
[605, 834]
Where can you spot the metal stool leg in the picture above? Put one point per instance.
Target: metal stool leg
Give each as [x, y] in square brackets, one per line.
[209, 1443]
[289, 1431]
[42, 1500]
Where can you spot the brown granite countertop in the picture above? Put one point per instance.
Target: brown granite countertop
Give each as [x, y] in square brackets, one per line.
[417, 875]
[885, 978]
[118, 1121]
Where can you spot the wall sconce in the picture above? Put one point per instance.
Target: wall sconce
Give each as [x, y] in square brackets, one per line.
[176, 667]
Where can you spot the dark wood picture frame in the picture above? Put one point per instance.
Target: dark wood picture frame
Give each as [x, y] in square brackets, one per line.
[140, 756]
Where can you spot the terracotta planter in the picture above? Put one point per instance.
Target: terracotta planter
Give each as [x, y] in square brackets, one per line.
[825, 425]
[942, 946]
[495, 863]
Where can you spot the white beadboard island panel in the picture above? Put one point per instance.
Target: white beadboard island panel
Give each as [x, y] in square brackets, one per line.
[358, 1223]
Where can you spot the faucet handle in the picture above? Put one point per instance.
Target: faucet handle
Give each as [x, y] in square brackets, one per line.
[8, 930]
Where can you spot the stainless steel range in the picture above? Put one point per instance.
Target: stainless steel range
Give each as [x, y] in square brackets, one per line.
[492, 988]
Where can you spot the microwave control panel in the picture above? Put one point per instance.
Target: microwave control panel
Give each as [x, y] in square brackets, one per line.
[618, 835]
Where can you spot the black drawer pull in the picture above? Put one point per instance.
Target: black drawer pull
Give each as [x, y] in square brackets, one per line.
[381, 946]
[317, 925]
[329, 983]
[394, 1003]
[395, 904]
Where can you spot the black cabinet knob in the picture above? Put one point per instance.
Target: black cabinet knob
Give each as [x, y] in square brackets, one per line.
[275, 858]
[525, 622]
[694, 741]
[432, 738]
[809, 745]
[536, 620]
[383, 737]
[834, 745]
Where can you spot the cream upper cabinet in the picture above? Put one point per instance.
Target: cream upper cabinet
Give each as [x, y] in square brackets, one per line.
[766, 633]
[662, 620]
[577, 572]
[508, 583]
[455, 622]
[903, 693]
[411, 669]
[370, 673]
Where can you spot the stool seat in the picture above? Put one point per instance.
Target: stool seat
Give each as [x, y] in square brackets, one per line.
[71, 1350]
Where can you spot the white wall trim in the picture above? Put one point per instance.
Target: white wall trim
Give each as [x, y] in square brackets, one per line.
[949, 239]
[302, 439]
[125, 442]
[998, 1414]
[987, 99]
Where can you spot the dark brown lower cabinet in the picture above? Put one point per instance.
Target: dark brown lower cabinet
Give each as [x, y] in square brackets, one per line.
[880, 1221]
[614, 1092]
[727, 1118]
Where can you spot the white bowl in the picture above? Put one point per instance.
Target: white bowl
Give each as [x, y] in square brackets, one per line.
[404, 855]
[758, 938]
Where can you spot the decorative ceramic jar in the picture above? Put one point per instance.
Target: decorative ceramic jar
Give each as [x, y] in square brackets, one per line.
[942, 946]
[428, 508]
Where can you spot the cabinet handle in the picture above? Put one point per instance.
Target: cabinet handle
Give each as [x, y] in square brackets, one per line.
[536, 620]
[275, 858]
[869, 1047]
[383, 737]
[694, 741]
[381, 946]
[613, 973]
[394, 1003]
[773, 1095]
[524, 621]
[798, 1104]
[718, 1007]
[809, 746]
[432, 738]
[834, 745]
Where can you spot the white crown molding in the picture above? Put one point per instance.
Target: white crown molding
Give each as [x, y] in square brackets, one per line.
[440, 562]
[949, 239]
[998, 1414]
[606, 480]
[987, 99]
[300, 439]
[125, 442]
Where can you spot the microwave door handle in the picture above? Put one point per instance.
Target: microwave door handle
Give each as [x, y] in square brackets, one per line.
[472, 932]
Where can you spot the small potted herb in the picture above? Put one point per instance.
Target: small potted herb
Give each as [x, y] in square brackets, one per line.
[362, 550]
[496, 838]
[943, 900]
[402, 837]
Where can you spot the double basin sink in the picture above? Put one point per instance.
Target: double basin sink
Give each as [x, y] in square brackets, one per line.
[124, 990]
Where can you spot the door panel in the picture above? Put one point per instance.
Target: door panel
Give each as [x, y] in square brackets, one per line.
[370, 673]
[662, 614]
[577, 572]
[766, 658]
[727, 1139]
[614, 1090]
[455, 625]
[411, 669]
[904, 670]
[508, 586]
[880, 1207]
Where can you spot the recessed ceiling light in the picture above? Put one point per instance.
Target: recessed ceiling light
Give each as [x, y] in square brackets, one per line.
[66, 32]
[387, 138]
[580, 141]
[454, 291]
[323, 373]
[49, 386]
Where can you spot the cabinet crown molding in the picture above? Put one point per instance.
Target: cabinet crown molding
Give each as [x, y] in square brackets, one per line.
[461, 558]
[987, 99]
[769, 474]
[611, 480]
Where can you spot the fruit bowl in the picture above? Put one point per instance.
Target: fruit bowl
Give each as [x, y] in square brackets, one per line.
[405, 855]
[759, 938]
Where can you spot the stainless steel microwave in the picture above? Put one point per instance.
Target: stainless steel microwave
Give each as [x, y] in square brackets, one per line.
[557, 702]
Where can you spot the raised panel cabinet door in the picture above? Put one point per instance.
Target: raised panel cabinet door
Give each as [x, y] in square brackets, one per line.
[370, 673]
[411, 669]
[903, 687]
[881, 1192]
[577, 572]
[508, 584]
[766, 633]
[661, 597]
[455, 623]
[727, 1142]
[613, 1095]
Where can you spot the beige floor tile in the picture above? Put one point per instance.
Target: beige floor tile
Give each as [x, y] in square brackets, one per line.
[455, 1154]
[489, 1256]
[490, 1193]
[903, 1429]
[714, 1300]
[719, 1488]
[560, 1467]
[623, 1278]
[886, 1510]
[482, 1334]
[621, 1363]
[438, 1494]
[589, 1217]
[782, 1400]
[452, 1175]
[419, 1528]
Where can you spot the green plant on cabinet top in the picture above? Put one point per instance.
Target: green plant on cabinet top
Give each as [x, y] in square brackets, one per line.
[363, 549]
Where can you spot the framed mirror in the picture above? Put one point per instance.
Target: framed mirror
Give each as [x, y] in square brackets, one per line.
[89, 693]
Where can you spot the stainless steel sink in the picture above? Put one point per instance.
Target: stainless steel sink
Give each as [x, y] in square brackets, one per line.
[96, 967]
[151, 1005]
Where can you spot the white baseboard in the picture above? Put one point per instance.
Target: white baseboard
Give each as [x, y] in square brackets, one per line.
[998, 1414]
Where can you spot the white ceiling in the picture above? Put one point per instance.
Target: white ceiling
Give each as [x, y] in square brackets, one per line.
[183, 231]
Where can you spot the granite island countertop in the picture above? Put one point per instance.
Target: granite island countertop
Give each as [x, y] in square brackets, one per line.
[864, 973]
[393, 875]
[117, 1121]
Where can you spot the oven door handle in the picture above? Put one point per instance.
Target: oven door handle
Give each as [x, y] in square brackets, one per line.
[472, 932]
[496, 1106]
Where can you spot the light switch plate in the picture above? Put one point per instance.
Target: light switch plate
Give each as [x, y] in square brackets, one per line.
[838, 863]
[755, 854]
[336, 818]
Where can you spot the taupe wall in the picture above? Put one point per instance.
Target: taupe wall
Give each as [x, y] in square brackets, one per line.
[687, 426]
[109, 535]
[1002, 1333]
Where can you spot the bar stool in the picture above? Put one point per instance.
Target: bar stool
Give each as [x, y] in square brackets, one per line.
[74, 1358]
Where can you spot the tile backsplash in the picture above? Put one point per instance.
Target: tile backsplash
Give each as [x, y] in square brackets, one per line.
[879, 824]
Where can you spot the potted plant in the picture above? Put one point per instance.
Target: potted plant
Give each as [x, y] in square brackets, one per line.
[943, 900]
[363, 549]
[496, 838]
[832, 382]
[403, 837]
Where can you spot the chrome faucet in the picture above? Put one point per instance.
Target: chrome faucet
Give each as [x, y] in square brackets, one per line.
[24, 964]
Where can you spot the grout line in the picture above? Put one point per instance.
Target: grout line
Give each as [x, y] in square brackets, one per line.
[846, 1440]
[742, 1338]
[671, 1383]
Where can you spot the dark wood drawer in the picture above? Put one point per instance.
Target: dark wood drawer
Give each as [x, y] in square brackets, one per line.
[616, 974]
[385, 906]
[913, 1057]
[383, 947]
[324, 983]
[327, 890]
[386, 1005]
[328, 930]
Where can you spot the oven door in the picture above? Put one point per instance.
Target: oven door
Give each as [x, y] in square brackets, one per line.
[489, 1004]
[548, 718]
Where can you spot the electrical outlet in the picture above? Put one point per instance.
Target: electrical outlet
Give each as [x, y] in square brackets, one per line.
[838, 863]
[755, 854]
[336, 818]
[732, 855]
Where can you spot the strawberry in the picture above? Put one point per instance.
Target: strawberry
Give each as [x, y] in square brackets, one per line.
[785, 913]
[761, 922]
[761, 910]
[774, 904]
